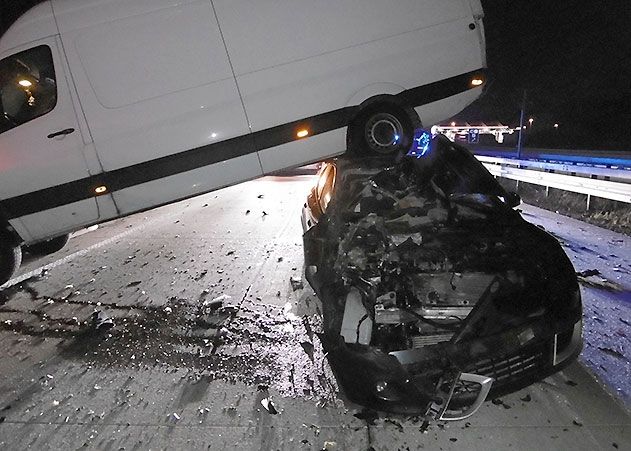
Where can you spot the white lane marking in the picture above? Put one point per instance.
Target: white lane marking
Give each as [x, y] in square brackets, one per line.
[70, 257]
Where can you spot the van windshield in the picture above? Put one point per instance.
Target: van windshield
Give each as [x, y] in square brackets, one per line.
[28, 87]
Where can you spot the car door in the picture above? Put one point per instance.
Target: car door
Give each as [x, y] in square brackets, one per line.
[41, 146]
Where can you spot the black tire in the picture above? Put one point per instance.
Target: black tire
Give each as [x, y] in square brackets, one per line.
[49, 246]
[382, 129]
[10, 259]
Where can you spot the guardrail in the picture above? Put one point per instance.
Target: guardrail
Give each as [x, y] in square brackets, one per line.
[606, 182]
[595, 158]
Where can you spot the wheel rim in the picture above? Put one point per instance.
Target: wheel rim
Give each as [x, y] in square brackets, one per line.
[383, 132]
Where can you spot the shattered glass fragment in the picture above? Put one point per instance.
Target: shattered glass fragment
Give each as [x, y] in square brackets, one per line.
[269, 406]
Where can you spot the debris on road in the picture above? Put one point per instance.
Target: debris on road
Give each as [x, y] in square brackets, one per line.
[217, 302]
[499, 402]
[101, 322]
[588, 273]
[269, 406]
[296, 283]
[594, 279]
[612, 352]
[308, 348]
[368, 415]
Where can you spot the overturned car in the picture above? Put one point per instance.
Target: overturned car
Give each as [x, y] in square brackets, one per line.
[435, 292]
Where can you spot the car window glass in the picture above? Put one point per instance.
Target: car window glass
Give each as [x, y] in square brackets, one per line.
[28, 86]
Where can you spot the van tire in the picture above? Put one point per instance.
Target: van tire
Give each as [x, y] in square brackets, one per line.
[375, 129]
[10, 259]
[49, 246]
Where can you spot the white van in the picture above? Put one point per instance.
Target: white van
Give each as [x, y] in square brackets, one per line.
[110, 107]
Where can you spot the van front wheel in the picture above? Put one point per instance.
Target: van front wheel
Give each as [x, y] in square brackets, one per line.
[382, 129]
[10, 259]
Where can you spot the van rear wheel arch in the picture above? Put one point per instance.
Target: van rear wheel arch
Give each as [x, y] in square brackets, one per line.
[49, 246]
[383, 126]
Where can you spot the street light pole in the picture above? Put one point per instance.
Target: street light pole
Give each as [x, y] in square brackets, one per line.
[521, 125]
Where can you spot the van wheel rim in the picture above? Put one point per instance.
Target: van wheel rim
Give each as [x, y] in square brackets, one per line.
[383, 132]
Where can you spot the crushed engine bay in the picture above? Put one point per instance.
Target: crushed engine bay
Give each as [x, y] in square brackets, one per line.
[435, 291]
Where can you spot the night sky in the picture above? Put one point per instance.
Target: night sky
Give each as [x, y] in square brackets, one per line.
[573, 58]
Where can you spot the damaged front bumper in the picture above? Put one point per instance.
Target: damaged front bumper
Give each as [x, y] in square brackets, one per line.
[451, 381]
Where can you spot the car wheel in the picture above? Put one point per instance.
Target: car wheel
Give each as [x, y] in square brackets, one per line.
[10, 259]
[382, 129]
[49, 246]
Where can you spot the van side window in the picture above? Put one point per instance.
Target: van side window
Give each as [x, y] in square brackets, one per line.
[28, 88]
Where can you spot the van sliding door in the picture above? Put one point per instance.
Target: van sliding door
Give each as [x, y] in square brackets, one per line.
[160, 99]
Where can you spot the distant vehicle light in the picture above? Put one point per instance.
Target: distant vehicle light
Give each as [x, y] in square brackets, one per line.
[477, 82]
[302, 133]
[25, 83]
[100, 189]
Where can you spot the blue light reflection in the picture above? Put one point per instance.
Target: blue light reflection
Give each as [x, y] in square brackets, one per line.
[421, 144]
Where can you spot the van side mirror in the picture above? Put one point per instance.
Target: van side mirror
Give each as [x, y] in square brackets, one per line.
[513, 199]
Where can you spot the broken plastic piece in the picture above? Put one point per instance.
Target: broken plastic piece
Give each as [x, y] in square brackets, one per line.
[296, 283]
[443, 413]
[217, 302]
[269, 406]
[101, 322]
[356, 324]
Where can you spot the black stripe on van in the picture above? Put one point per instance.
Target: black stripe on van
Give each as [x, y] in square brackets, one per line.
[181, 162]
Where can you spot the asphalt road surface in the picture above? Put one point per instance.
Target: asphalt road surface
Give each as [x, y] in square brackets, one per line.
[170, 374]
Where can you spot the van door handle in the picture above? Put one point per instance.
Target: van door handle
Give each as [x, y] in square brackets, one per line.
[61, 132]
